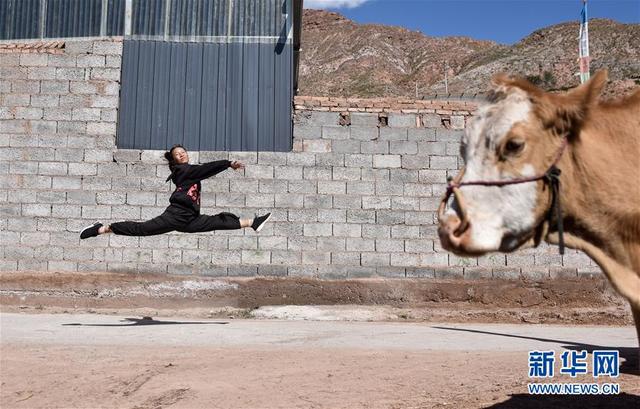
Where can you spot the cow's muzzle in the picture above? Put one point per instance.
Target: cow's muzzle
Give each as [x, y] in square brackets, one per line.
[454, 227]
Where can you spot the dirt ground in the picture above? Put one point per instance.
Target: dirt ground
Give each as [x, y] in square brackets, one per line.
[90, 377]
[567, 301]
[80, 374]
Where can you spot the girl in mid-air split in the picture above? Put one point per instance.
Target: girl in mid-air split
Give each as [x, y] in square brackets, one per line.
[183, 213]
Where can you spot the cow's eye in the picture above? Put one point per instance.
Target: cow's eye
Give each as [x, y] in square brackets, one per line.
[513, 147]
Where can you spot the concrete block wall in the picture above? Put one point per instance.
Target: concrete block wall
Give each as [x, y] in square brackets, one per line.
[355, 198]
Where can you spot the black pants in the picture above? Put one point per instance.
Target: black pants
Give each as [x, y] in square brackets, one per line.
[176, 219]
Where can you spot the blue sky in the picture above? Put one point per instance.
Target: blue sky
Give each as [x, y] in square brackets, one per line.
[504, 21]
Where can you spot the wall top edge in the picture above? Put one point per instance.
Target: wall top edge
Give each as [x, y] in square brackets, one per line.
[389, 104]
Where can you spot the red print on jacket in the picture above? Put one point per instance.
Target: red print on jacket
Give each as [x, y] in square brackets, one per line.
[194, 194]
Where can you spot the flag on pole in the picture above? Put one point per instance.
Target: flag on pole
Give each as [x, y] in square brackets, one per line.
[583, 45]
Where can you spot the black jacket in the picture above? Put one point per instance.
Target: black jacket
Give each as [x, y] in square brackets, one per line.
[187, 180]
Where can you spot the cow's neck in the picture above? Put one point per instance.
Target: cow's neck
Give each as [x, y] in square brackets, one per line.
[599, 201]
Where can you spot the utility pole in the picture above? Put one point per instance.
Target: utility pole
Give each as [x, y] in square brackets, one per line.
[446, 77]
[416, 89]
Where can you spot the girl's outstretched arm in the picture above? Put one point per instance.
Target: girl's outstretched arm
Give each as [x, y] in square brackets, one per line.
[200, 172]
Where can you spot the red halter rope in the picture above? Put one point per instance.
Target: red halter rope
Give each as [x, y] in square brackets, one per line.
[551, 176]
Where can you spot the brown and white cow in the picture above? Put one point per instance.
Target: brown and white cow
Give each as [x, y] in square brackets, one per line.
[517, 137]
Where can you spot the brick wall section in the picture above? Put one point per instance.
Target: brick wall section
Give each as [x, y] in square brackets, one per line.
[444, 109]
[356, 198]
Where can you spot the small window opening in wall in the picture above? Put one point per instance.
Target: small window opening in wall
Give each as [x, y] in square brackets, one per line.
[383, 120]
[345, 119]
[446, 122]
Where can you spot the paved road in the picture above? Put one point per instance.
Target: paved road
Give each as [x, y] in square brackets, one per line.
[115, 330]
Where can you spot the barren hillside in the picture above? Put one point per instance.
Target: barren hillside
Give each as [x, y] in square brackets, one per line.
[342, 58]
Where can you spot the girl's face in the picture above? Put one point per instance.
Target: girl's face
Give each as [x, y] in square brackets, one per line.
[180, 156]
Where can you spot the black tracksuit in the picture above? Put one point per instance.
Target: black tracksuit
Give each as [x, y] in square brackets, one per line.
[183, 213]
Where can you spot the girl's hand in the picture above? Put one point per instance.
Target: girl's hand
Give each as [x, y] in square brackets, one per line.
[235, 165]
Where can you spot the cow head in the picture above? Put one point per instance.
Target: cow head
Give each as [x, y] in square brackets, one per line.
[516, 135]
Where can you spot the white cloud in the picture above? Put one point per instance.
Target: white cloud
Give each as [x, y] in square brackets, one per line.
[332, 4]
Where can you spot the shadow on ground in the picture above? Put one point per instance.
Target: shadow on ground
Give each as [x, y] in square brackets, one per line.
[524, 401]
[628, 355]
[132, 322]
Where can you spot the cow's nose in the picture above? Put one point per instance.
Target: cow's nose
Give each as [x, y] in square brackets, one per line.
[452, 231]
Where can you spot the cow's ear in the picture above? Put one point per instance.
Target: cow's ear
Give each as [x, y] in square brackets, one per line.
[501, 84]
[566, 112]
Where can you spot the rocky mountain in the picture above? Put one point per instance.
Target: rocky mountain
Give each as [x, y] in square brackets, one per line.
[342, 58]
